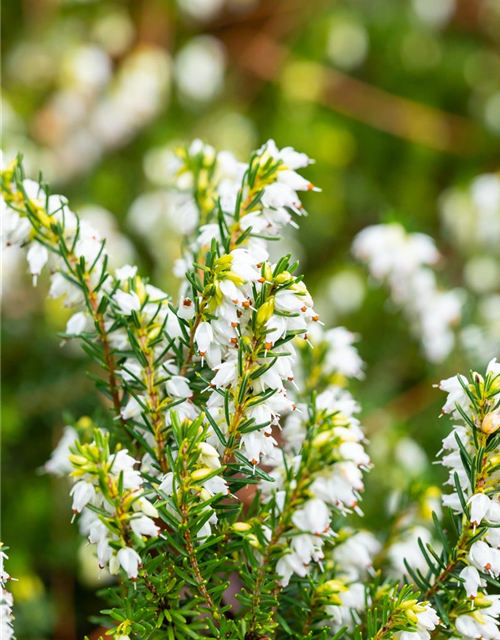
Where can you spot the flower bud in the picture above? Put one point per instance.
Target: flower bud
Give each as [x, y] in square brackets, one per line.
[241, 527]
[333, 585]
[481, 600]
[201, 474]
[491, 422]
[283, 277]
[252, 539]
[321, 439]
[409, 604]
[268, 272]
[77, 460]
[265, 312]
[205, 495]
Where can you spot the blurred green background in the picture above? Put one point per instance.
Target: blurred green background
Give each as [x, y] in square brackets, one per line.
[398, 102]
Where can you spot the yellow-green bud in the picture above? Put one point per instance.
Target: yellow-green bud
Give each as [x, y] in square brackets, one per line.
[409, 604]
[333, 585]
[241, 527]
[252, 539]
[205, 495]
[321, 439]
[77, 460]
[201, 474]
[265, 312]
[268, 272]
[283, 277]
[140, 289]
[238, 280]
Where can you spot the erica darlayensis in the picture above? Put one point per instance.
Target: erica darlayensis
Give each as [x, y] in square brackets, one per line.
[219, 488]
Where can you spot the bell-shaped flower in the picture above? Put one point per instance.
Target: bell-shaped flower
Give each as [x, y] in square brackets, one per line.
[209, 455]
[226, 374]
[167, 484]
[289, 564]
[313, 517]
[186, 308]
[178, 387]
[130, 561]
[78, 323]
[204, 337]
[479, 507]
[82, 492]
[37, 258]
[126, 272]
[131, 410]
[472, 581]
[127, 302]
[144, 526]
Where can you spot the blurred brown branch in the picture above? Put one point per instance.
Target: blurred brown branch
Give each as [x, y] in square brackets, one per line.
[257, 50]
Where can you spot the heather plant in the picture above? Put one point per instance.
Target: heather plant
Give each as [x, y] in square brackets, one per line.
[221, 486]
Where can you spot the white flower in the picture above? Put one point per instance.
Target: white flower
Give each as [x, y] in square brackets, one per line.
[472, 581]
[355, 452]
[37, 258]
[342, 355]
[289, 564]
[142, 504]
[167, 483]
[60, 286]
[493, 368]
[293, 159]
[402, 261]
[355, 556]
[257, 443]
[313, 517]
[277, 196]
[58, 464]
[479, 506]
[78, 323]
[127, 302]
[406, 551]
[226, 374]
[186, 308]
[484, 557]
[144, 526]
[6, 602]
[123, 464]
[474, 627]
[295, 181]
[131, 410]
[456, 393]
[307, 547]
[203, 336]
[82, 492]
[126, 272]
[216, 485]
[130, 561]
[209, 455]
[178, 387]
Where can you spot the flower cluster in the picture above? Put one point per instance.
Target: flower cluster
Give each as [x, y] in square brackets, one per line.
[321, 477]
[471, 218]
[316, 481]
[115, 512]
[243, 310]
[232, 444]
[403, 261]
[471, 453]
[6, 601]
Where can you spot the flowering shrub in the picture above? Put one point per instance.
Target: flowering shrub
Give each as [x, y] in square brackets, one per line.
[221, 487]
